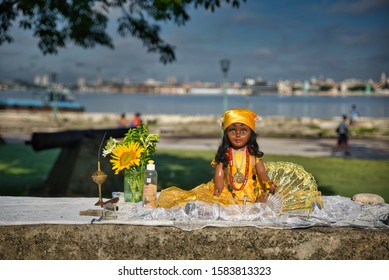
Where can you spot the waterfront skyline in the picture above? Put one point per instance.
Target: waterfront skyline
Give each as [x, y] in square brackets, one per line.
[270, 39]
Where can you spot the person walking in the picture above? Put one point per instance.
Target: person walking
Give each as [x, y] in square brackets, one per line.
[342, 141]
[354, 115]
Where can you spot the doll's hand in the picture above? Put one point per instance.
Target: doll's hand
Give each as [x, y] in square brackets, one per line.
[273, 187]
[269, 186]
[217, 191]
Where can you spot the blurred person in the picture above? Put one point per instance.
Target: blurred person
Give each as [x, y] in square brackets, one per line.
[123, 123]
[354, 114]
[136, 120]
[342, 141]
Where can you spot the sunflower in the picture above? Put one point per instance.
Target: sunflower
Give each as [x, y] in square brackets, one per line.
[125, 156]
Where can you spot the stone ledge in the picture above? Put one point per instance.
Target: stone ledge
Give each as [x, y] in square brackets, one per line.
[110, 242]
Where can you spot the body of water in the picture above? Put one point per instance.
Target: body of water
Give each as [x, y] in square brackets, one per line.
[264, 105]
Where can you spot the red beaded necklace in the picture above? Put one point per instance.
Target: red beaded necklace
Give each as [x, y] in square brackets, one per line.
[246, 172]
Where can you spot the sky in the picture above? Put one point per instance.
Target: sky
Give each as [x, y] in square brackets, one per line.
[268, 39]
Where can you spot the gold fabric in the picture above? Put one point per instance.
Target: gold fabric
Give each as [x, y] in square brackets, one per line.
[175, 196]
[297, 187]
[239, 115]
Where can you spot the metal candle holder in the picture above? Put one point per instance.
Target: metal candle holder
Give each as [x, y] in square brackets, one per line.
[99, 177]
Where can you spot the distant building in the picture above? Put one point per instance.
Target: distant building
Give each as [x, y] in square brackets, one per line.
[41, 80]
[259, 86]
[81, 82]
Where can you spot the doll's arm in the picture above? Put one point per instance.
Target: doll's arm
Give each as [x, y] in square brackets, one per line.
[263, 177]
[218, 179]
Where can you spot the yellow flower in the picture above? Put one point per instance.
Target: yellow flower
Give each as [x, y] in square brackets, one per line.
[126, 156]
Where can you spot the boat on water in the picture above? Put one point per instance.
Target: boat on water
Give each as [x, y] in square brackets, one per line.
[52, 99]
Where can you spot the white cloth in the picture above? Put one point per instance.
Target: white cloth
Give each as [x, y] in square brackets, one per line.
[338, 211]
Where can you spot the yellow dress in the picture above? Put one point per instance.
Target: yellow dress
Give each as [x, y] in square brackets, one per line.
[296, 186]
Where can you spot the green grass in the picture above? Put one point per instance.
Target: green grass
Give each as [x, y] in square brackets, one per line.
[23, 171]
[363, 131]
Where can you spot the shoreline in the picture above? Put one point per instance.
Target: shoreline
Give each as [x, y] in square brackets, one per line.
[21, 125]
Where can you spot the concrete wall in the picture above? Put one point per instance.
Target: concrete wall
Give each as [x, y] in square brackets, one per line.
[104, 242]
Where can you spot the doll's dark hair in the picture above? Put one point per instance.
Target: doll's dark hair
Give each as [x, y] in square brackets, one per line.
[252, 144]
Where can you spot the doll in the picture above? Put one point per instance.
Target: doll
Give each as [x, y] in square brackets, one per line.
[240, 174]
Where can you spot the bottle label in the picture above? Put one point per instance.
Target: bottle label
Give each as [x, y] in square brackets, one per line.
[149, 195]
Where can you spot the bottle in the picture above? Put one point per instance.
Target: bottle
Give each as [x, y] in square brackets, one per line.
[150, 186]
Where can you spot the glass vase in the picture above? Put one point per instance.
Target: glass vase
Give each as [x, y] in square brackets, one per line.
[133, 184]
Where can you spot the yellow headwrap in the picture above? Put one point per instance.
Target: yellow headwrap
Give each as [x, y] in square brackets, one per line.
[239, 115]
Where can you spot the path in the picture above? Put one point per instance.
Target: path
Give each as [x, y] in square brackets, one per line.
[376, 149]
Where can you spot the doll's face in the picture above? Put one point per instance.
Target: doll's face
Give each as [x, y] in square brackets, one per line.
[238, 134]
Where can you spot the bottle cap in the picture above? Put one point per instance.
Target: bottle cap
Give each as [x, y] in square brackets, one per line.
[151, 165]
